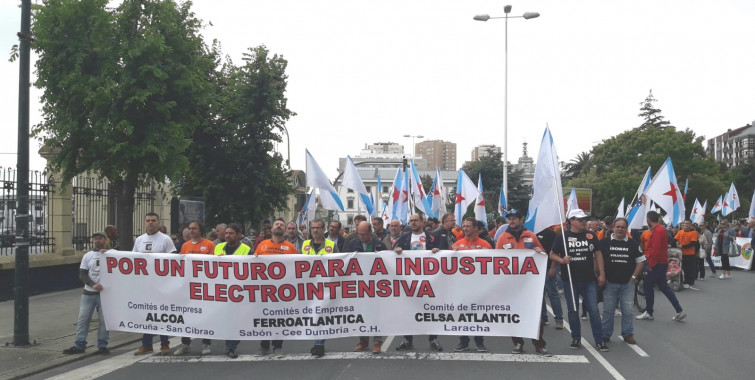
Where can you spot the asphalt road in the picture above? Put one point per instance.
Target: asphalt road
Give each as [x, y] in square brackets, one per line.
[713, 342]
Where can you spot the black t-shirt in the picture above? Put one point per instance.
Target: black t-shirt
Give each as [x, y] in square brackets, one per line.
[619, 259]
[582, 247]
[546, 237]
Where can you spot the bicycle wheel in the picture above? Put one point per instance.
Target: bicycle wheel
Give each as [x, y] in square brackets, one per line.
[639, 295]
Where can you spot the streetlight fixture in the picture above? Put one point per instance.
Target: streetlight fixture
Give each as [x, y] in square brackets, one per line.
[526, 16]
[414, 147]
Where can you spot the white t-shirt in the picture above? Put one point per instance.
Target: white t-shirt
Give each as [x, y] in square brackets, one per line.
[157, 243]
[91, 262]
[418, 242]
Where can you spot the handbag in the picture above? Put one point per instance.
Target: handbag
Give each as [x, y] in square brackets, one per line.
[733, 248]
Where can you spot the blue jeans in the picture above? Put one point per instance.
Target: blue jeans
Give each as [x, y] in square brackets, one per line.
[657, 276]
[86, 307]
[147, 340]
[319, 342]
[623, 295]
[555, 299]
[231, 344]
[589, 293]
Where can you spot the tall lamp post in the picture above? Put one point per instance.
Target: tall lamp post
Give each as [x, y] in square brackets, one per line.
[414, 147]
[506, 17]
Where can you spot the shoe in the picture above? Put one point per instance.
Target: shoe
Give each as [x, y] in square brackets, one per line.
[461, 347]
[318, 351]
[629, 339]
[362, 346]
[602, 346]
[263, 351]
[722, 276]
[278, 352]
[518, 348]
[617, 313]
[701, 279]
[584, 317]
[405, 345]
[231, 353]
[575, 344]
[543, 352]
[144, 350]
[165, 350]
[545, 321]
[377, 348]
[73, 350]
[182, 349]
[679, 316]
[728, 276]
[645, 316]
[435, 345]
[103, 351]
[685, 286]
[481, 347]
[206, 349]
[559, 325]
[561, 291]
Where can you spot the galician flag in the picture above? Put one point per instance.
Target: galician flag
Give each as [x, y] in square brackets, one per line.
[353, 181]
[717, 206]
[394, 202]
[701, 214]
[547, 199]
[307, 212]
[418, 192]
[664, 191]
[571, 203]
[502, 202]
[752, 207]
[620, 210]
[696, 210]
[317, 179]
[479, 208]
[466, 193]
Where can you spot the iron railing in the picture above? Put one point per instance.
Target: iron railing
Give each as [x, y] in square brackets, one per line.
[40, 230]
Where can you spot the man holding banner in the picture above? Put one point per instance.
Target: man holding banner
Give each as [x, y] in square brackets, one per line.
[578, 267]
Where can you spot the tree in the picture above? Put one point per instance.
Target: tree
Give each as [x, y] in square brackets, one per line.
[574, 167]
[232, 162]
[651, 116]
[619, 163]
[491, 168]
[123, 88]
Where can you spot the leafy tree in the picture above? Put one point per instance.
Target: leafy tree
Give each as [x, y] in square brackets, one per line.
[491, 168]
[651, 115]
[574, 167]
[619, 163]
[233, 165]
[122, 90]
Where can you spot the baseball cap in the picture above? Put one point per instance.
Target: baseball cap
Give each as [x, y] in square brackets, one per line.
[100, 233]
[576, 213]
[514, 212]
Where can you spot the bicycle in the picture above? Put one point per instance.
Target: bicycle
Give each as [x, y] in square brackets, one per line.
[639, 293]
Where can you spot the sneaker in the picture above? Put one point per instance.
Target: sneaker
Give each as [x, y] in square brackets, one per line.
[405, 345]
[559, 325]
[728, 276]
[318, 350]
[206, 349]
[518, 348]
[584, 317]
[679, 316]
[377, 348]
[435, 345]
[481, 347]
[546, 322]
[629, 339]
[602, 346]
[543, 352]
[645, 316]
[231, 353]
[182, 349]
[461, 347]
[103, 351]
[685, 286]
[73, 350]
[165, 350]
[722, 276]
[143, 350]
[362, 346]
[701, 279]
[575, 344]
[263, 351]
[278, 352]
[561, 291]
[617, 313]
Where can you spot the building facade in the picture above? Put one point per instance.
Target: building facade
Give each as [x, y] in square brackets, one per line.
[734, 147]
[484, 151]
[438, 153]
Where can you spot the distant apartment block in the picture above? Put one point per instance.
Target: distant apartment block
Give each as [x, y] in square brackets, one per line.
[734, 147]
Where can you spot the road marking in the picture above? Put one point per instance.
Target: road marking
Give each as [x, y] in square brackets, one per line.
[615, 373]
[387, 343]
[101, 368]
[449, 356]
[693, 288]
[638, 350]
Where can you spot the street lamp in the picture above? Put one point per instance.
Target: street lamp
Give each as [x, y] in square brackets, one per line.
[526, 16]
[414, 147]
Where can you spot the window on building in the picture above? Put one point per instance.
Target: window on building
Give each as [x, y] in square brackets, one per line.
[349, 191]
[350, 220]
[385, 189]
[369, 188]
[350, 205]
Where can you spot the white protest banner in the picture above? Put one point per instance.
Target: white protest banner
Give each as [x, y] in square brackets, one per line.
[744, 260]
[482, 292]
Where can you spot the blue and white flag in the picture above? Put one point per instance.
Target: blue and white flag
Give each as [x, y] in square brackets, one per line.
[307, 212]
[571, 203]
[546, 205]
[466, 193]
[717, 206]
[316, 178]
[418, 192]
[353, 181]
[394, 202]
[502, 202]
[620, 210]
[479, 208]
[665, 192]
[752, 207]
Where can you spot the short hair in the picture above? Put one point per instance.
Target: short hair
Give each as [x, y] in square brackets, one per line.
[282, 220]
[201, 226]
[152, 213]
[621, 219]
[688, 220]
[470, 219]
[318, 221]
[421, 217]
[446, 215]
[376, 219]
[235, 226]
[653, 216]
[609, 220]
[500, 219]
[336, 221]
[360, 218]
[221, 225]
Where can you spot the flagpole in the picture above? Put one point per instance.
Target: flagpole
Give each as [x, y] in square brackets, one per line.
[563, 235]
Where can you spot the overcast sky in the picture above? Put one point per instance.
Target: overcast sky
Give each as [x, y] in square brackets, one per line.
[368, 71]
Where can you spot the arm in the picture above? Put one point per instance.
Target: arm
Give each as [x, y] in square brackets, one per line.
[599, 266]
[557, 259]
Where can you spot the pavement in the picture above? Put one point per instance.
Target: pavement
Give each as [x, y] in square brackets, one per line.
[52, 324]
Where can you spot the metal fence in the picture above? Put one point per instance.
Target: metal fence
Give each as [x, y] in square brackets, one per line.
[40, 189]
[94, 208]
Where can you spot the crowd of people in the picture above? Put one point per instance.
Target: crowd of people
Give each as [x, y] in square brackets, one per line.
[588, 260]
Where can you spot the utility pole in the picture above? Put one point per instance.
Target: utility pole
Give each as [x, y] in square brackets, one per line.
[21, 285]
